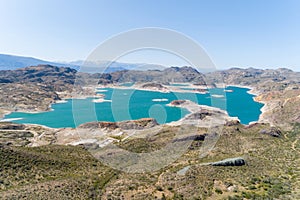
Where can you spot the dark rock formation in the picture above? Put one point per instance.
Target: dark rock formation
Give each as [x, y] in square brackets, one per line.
[232, 123]
[177, 102]
[199, 115]
[57, 77]
[230, 162]
[273, 131]
[153, 85]
[11, 126]
[14, 134]
[201, 90]
[192, 137]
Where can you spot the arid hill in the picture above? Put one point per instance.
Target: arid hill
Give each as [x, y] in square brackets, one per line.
[172, 74]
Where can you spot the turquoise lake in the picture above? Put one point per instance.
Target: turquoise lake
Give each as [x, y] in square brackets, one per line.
[127, 104]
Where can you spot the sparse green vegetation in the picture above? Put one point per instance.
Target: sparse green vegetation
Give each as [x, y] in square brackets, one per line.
[55, 171]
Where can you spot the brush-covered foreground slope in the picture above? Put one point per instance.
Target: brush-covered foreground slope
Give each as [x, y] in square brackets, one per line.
[70, 172]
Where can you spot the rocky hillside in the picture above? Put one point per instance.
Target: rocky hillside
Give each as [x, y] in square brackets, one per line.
[27, 96]
[278, 89]
[60, 78]
[172, 74]
[264, 80]
[270, 171]
[34, 88]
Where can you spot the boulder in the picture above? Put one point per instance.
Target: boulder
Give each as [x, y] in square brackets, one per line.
[230, 162]
[232, 123]
[177, 102]
[273, 131]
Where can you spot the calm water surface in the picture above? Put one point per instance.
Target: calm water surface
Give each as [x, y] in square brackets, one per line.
[129, 104]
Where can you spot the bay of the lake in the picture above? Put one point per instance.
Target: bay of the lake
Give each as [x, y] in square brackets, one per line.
[128, 104]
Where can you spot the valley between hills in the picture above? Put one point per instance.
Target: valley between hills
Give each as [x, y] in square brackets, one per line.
[39, 162]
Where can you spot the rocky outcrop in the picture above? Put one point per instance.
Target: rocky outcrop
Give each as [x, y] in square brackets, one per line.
[273, 131]
[11, 126]
[20, 138]
[95, 125]
[138, 124]
[172, 74]
[230, 162]
[199, 115]
[125, 125]
[201, 90]
[25, 135]
[196, 137]
[177, 102]
[153, 85]
[232, 123]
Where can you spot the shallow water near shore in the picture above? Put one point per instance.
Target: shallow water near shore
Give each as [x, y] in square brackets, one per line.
[130, 104]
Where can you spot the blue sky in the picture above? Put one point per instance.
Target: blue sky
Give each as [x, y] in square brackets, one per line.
[252, 33]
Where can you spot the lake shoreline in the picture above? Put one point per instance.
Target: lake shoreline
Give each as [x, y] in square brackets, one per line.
[101, 98]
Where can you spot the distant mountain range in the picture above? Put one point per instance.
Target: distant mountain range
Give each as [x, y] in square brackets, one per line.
[108, 66]
[11, 62]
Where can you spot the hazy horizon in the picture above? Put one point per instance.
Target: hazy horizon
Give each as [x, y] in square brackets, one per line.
[76, 62]
[259, 34]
